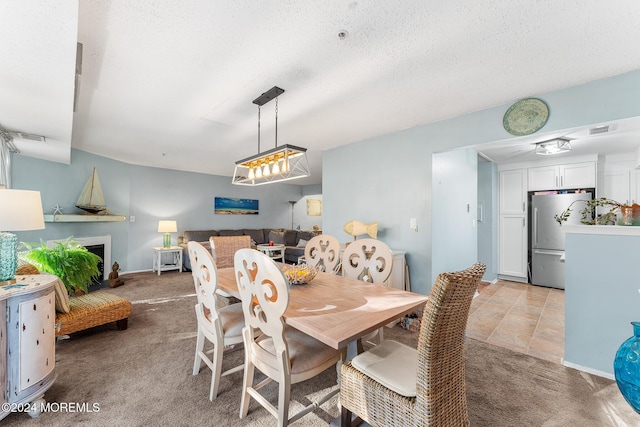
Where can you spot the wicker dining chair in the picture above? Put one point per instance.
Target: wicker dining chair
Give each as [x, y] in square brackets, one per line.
[223, 248]
[282, 353]
[369, 260]
[220, 326]
[396, 385]
[323, 251]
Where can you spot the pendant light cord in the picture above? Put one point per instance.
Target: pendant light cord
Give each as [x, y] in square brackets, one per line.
[258, 129]
[276, 121]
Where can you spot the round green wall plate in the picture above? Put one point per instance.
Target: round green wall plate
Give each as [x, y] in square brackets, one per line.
[525, 116]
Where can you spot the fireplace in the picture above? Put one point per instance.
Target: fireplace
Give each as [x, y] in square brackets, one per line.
[99, 245]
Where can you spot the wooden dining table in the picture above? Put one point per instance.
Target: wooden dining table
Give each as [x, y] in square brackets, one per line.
[338, 310]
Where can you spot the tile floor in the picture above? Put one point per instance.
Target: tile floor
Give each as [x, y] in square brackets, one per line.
[521, 317]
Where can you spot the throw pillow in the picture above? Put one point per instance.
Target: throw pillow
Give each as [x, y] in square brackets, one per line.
[62, 297]
[277, 237]
[302, 243]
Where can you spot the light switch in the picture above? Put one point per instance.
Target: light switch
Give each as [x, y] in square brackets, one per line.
[413, 224]
[132, 218]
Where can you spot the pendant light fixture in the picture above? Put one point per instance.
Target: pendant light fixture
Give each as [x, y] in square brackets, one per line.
[279, 164]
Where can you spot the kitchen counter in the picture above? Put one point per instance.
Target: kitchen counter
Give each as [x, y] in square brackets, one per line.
[602, 285]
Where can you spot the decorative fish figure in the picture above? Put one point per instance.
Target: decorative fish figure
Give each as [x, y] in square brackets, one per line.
[356, 228]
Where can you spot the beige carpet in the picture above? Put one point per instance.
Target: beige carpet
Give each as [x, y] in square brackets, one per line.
[142, 376]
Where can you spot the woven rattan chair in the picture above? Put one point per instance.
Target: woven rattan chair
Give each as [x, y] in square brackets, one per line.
[221, 326]
[223, 248]
[323, 251]
[284, 354]
[369, 260]
[396, 385]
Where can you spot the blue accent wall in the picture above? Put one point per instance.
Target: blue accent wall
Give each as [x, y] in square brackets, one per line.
[601, 297]
[389, 178]
[149, 194]
[386, 179]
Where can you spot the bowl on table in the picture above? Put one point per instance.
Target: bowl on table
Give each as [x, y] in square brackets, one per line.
[299, 274]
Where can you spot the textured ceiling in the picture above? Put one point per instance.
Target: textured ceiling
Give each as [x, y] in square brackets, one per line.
[170, 83]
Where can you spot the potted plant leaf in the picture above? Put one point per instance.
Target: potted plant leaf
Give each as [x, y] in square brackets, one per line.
[67, 259]
[587, 214]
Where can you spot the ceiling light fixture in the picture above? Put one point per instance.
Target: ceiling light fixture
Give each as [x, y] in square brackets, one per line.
[279, 164]
[553, 146]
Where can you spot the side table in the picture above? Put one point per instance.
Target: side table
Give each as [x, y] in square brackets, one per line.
[176, 259]
[273, 251]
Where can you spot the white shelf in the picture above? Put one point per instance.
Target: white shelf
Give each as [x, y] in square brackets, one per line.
[83, 218]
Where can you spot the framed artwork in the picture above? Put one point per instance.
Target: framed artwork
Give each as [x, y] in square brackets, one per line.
[314, 207]
[231, 206]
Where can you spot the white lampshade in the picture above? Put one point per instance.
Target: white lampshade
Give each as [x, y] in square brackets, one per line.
[20, 210]
[167, 226]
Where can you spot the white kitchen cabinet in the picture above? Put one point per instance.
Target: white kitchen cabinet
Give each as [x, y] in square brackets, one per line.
[512, 229]
[513, 247]
[567, 176]
[616, 186]
[622, 186]
[513, 191]
[634, 186]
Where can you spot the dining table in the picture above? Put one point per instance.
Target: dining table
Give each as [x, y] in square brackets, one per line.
[338, 310]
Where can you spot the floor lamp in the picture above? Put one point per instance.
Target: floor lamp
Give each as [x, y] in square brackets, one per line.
[293, 202]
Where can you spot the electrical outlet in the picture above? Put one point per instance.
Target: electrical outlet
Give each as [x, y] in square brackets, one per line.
[132, 218]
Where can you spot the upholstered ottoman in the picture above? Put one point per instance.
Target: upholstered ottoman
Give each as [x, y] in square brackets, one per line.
[93, 309]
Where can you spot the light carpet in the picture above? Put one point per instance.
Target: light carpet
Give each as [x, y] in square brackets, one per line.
[142, 376]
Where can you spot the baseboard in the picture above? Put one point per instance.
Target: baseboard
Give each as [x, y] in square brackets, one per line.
[588, 370]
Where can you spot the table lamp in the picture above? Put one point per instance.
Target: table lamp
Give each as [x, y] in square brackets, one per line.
[20, 210]
[167, 227]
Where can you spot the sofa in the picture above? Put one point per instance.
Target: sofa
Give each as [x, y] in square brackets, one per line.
[293, 240]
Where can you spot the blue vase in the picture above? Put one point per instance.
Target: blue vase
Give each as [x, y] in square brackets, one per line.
[626, 367]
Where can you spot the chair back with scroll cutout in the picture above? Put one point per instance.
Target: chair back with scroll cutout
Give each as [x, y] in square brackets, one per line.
[369, 260]
[323, 251]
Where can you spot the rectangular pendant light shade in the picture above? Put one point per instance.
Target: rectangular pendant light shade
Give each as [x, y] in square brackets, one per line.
[282, 163]
[279, 164]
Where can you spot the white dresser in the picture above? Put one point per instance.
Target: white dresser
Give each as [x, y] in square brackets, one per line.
[27, 342]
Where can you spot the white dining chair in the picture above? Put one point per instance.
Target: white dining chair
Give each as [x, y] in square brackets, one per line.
[323, 251]
[369, 260]
[282, 353]
[220, 326]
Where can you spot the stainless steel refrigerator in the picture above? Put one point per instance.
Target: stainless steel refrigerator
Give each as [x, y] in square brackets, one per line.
[546, 239]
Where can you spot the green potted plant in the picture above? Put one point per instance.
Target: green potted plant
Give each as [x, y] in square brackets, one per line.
[67, 259]
[587, 213]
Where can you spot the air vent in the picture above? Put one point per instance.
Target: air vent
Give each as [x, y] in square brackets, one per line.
[31, 137]
[599, 130]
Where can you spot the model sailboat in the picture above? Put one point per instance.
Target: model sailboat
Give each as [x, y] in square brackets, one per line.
[91, 199]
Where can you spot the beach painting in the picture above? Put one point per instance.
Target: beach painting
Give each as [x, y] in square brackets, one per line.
[231, 206]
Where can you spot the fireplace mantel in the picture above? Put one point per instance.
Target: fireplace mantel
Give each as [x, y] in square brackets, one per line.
[83, 218]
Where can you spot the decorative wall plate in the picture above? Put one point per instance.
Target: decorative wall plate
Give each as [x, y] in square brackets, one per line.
[525, 116]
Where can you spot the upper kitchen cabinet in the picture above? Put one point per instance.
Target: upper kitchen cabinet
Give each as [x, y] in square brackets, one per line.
[621, 185]
[570, 175]
[513, 191]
